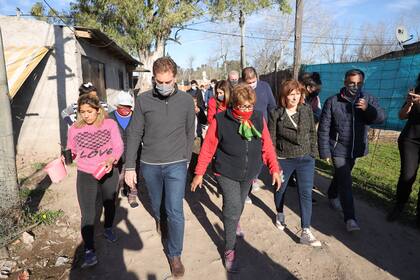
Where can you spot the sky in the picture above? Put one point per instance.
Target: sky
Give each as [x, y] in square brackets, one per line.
[198, 47]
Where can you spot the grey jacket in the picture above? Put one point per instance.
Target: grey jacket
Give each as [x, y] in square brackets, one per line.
[165, 126]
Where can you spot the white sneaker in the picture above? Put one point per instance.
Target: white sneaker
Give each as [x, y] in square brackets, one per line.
[248, 200]
[351, 225]
[336, 204]
[308, 238]
[280, 224]
[257, 185]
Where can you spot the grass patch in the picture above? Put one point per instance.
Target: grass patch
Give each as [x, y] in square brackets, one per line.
[375, 176]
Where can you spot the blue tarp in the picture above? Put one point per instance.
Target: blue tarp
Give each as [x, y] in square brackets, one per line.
[388, 80]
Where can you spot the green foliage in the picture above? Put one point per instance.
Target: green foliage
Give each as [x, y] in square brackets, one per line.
[231, 8]
[136, 25]
[46, 217]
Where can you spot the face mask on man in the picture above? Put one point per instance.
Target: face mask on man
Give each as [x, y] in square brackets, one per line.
[253, 85]
[164, 89]
[233, 82]
[354, 89]
[212, 85]
[193, 87]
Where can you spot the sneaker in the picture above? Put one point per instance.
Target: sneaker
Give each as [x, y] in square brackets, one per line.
[177, 268]
[239, 232]
[132, 200]
[257, 185]
[110, 235]
[336, 204]
[248, 200]
[90, 259]
[395, 213]
[308, 238]
[280, 224]
[351, 225]
[230, 261]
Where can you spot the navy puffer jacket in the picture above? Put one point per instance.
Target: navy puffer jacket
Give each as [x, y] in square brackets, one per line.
[343, 129]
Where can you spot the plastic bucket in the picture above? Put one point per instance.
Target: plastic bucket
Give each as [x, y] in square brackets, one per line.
[56, 170]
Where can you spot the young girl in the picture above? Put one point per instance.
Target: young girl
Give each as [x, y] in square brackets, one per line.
[240, 141]
[219, 102]
[95, 141]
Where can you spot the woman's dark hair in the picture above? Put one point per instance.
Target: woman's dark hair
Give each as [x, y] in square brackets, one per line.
[310, 79]
[225, 86]
[86, 88]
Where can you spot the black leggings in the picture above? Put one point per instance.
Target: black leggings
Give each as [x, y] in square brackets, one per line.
[88, 189]
[410, 159]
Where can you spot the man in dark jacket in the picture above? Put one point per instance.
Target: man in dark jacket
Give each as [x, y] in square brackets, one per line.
[163, 121]
[194, 90]
[265, 103]
[343, 137]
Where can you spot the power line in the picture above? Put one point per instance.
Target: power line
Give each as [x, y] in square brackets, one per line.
[284, 40]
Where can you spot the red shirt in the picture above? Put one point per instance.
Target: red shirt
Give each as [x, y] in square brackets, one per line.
[213, 109]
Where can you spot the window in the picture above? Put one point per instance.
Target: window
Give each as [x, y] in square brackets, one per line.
[94, 71]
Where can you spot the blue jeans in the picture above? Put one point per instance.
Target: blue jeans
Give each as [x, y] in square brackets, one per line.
[341, 185]
[305, 168]
[168, 182]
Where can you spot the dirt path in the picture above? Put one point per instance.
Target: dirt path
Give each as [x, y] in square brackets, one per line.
[379, 251]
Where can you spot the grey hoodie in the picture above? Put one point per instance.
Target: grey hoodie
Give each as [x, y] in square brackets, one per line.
[165, 126]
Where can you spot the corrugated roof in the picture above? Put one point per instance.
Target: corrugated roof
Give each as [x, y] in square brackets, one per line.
[100, 39]
[20, 62]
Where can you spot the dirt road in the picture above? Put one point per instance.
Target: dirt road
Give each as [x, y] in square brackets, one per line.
[379, 251]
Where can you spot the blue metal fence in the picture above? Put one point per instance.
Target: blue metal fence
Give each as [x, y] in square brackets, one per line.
[388, 80]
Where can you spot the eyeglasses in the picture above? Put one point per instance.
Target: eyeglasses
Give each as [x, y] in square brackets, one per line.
[245, 107]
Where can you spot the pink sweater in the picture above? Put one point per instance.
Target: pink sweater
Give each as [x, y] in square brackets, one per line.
[93, 145]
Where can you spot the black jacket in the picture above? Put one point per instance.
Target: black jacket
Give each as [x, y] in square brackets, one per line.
[236, 157]
[291, 141]
[343, 129]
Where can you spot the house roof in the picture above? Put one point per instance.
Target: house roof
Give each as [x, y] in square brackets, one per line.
[409, 49]
[20, 62]
[100, 39]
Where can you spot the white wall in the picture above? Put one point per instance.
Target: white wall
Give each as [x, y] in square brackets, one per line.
[40, 134]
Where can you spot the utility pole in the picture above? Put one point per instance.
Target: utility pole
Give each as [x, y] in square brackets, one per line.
[9, 191]
[298, 38]
[242, 26]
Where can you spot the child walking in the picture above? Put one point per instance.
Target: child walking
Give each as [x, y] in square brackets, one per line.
[95, 142]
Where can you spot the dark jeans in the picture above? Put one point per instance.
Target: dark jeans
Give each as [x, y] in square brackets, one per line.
[88, 189]
[341, 185]
[167, 182]
[234, 195]
[410, 160]
[304, 167]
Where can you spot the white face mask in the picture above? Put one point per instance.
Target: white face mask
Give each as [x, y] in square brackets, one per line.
[253, 85]
[193, 87]
[164, 89]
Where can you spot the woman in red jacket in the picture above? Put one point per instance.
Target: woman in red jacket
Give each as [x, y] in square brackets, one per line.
[218, 103]
[240, 141]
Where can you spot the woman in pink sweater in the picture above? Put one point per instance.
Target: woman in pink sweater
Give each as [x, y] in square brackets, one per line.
[95, 143]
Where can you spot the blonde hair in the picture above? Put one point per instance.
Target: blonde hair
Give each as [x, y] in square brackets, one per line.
[93, 101]
[241, 93]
